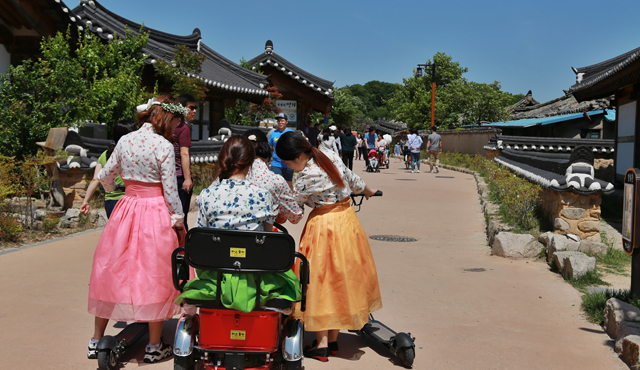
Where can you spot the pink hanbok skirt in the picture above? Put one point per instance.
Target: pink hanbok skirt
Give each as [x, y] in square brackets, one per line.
[131, 275]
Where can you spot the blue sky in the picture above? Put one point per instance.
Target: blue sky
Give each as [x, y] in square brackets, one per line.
[526, 45]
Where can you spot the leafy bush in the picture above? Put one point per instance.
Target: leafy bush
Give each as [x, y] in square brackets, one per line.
[10, 228]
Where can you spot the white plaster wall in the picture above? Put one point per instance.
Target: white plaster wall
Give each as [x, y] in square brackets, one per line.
[5, 59]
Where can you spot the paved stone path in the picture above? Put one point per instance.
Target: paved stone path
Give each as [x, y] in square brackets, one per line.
[513, 315]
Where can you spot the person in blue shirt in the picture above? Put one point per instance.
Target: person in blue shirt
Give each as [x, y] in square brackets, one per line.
[277, 166]
[371, 142]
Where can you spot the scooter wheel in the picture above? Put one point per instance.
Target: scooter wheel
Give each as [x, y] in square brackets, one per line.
[107, 360]
[294, 365]
[406, 356]
[184, 363]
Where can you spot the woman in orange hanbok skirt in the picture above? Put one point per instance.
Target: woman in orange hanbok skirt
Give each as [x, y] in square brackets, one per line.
[343, 285]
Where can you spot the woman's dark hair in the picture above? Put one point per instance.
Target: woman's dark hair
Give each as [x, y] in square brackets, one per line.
[120, 129]
[291, 146]
[326, 132]
[159, 118]
[236, 155]
[260, 144]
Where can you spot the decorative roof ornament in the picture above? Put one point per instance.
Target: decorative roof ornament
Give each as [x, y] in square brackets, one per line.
[268, 47]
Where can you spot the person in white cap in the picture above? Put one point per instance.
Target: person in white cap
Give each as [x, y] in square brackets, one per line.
[277, 166]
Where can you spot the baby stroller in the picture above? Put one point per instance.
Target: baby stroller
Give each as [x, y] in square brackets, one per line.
[221, 338]
[374, 161]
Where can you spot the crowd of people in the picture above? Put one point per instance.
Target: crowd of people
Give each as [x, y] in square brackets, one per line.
[147, 176]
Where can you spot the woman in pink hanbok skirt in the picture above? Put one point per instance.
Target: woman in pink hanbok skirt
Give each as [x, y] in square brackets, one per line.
[131, 275]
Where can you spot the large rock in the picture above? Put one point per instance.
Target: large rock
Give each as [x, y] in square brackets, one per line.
[544, 237]
[573, 213]
[625, 329]
[589, 226]
[73, 212]
[594, 248]
[102, 218]
[617, 311]
[560, 243]
[631, 350]
[512, 245]
[93, 216]
[559, 258]
[560, 224]
[576, 265]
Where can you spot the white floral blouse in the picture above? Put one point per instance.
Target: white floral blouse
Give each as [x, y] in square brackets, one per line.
[328, 145]
[261, 176]
[235, 204]
[145, 156]
[314, 188]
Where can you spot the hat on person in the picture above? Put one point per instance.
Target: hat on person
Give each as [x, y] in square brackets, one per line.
[282, 115]
[333, 128]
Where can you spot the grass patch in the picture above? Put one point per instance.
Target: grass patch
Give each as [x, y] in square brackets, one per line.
[615, 260]
[591, 278]
[593, 304]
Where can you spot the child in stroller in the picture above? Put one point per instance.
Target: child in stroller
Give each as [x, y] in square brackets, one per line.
[374, 161]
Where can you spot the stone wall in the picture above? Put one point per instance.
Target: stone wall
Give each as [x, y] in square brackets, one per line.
[573, 214]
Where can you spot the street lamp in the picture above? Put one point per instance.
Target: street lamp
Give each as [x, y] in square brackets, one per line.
[433, 87]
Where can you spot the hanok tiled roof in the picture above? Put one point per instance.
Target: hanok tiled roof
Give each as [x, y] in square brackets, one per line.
[388, 127]
[613, 70]
[563, 105]
[269, 57]
[218, 72]
[547, 144]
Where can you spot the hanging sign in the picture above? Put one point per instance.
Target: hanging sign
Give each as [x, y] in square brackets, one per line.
[630, 222]
[290, 108]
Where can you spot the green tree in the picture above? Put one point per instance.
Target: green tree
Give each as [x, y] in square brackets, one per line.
[183, 62]
[457, 101]
[374, 95]
[93, 81]
[346, 107]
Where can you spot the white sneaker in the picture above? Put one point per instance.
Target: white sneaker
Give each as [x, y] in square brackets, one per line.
[157, 353]
[431, 171]
[411, 171]
[93, 350]
[437, 169]
[418, 171]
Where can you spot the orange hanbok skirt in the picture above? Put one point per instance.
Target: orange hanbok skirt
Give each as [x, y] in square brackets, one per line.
[343, 286]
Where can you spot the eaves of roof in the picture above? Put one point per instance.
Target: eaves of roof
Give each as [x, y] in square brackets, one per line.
[305, 78]
[216, 71]
[594, 74]
[529, 122]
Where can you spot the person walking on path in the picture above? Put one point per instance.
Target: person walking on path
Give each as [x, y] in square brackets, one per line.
[120, 129]
[360, 146]
[277, 166]
[434, 146]
[415, 143]
[343, 287]
[349, 143]
[182, 145]
[371, 142]
[131, 273]
[328, 142]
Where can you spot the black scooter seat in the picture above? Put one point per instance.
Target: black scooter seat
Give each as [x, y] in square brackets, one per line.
[279, 303]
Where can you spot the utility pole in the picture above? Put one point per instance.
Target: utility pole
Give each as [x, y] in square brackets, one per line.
[433, 88]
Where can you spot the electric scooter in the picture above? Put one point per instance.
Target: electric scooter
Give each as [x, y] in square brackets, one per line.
[111, 348]
[401, 345]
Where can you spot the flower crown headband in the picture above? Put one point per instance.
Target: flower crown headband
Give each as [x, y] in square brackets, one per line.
[167, 107]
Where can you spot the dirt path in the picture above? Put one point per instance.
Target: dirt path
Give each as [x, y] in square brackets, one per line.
[513, 315]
